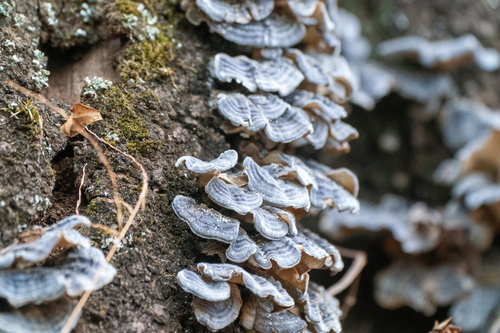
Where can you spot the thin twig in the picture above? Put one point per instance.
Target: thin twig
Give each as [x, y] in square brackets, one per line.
[105, 228]
[38, 97]
[350, 299]
[112, 177]
[128, 206]
[80, 190]
[127, 155]
[103, 158]
[352, 273]
[140, 203]
[93, 225]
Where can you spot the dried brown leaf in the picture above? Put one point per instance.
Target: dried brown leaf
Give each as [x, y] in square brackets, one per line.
[81, 116]
[445, 327]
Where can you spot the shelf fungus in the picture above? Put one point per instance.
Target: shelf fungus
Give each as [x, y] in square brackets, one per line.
[257, 315]
[310, 115]
[443, 55]
[408, 283]
[290, 87]
[322, 310]
[275, 256]
[241, 12]
[277, 75]
[60, 234]
[416, 227]
[474, 131]
[49, 318]
[205, 222]
[249, 23]
[35, 285]
[372, 80]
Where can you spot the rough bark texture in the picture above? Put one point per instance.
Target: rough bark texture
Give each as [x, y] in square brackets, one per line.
[159, 109]
[157, 120]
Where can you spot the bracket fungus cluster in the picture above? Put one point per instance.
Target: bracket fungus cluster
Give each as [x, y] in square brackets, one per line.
[268, 253]
[376, 79]
[297, 95]
[36, 283]
[442, 55]
[296, 66]
[424, 241]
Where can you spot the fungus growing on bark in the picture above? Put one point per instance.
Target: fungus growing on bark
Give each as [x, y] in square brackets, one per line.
[277, 75]
[40, 284]
[268, 224]
[241, 248]
[232, 197]
[297, 97]
[322, 310]
[205, 222]
[282, 252]
[224, 162]
[60, 234]
[424, 289]
[236, 12]
[276, 247]
[24, 287]
[415, 226]
[444, 55]
[257, 314]
[314, 120]
[49, 318]
[276, 30]
[213, 291]
[258, 285]
[217, 315]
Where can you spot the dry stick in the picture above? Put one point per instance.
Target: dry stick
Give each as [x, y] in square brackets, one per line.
[103, 159]
[80, 190]
[38, 97]
[354, 270]
[140, 202]
[127, 205]
[133, 160]
[350, 299]
[112, 177]
[93, 225]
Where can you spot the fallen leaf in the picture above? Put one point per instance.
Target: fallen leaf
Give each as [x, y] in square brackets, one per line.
[31, 235]
[81, 116]
[445, 327]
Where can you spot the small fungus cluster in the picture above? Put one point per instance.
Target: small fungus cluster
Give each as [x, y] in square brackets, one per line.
[311, 83]
[271, 259]
[37, 279]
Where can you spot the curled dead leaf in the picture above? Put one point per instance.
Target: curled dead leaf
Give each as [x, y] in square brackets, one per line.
[445, 327]
[80, 117]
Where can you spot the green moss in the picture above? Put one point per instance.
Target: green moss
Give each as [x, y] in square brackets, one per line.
[147, 59]
[91, 210]
[145, 146]
[114, 101]
[117, 104]
[151, 48]
[132, 127]
[28, 112]
[117, 107]
[128, 7]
